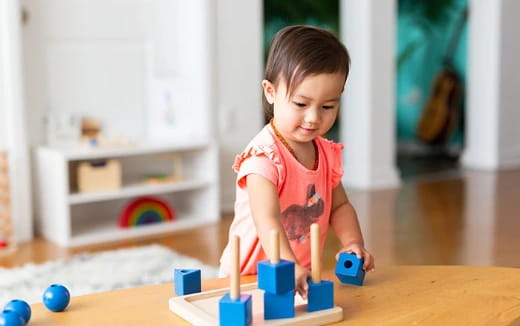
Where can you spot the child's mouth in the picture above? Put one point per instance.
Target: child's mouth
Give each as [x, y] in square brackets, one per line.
[308, 130]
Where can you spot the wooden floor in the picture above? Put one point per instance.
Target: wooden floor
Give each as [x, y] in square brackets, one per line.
[469, 218]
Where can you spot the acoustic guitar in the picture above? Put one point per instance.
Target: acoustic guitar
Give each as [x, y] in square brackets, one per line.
[440, 115]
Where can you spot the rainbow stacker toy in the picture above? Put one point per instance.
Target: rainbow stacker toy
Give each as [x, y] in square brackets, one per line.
[146, 210]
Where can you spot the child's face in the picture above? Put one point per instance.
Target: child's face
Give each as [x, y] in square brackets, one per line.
[311, 109]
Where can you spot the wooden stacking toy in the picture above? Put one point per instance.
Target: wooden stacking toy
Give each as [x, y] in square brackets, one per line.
[276, 278]
[321, 292]
[235, 308]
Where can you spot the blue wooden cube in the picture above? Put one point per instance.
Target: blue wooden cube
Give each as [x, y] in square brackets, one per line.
[237, 312]
[276, 278]
[186, 281]
[320, 295]
[278, 305]
[349, 269]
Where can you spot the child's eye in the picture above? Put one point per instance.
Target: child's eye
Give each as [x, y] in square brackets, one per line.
[328, 107]
[299, 104]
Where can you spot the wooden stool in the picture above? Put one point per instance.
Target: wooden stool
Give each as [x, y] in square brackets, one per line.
[6, 227]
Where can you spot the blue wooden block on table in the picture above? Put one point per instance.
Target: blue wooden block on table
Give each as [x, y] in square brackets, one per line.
[320, 295]
[187, 281]
[278, 305]
[349, 269]
[276, 278]
[235, 312]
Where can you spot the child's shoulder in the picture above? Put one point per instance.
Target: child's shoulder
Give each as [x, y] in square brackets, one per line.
[263, 138]
[333, 153]
[329, 145]
[262, 145]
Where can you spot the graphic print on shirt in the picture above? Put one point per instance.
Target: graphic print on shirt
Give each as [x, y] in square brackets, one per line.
[297, 219]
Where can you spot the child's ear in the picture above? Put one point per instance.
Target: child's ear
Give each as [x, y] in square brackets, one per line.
[269, 91]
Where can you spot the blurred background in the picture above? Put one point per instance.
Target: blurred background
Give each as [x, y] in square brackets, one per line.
[431, 35]
[432, 94]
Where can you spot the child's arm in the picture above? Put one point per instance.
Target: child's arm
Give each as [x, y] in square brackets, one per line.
[265, 208]
[345, 224]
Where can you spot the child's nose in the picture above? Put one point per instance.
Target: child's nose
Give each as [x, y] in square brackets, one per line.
[313, 115]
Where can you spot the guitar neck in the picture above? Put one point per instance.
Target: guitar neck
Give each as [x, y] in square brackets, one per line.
[448, 57]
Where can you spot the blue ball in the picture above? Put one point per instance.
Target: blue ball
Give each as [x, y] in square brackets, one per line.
[21, 307]
[11, 318]
[56, 297]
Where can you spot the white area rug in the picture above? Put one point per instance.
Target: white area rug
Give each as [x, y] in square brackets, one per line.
[89, 273]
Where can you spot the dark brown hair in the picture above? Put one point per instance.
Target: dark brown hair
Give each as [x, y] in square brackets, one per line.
[299, 51]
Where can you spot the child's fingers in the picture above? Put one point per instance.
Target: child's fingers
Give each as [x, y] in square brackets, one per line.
[301, 285]
[356, 251]
[302, 288]
[360, 253]
[369, 263]
[340, 252]
[302, 293]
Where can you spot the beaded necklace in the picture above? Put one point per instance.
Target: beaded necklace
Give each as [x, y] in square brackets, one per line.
[291, 150]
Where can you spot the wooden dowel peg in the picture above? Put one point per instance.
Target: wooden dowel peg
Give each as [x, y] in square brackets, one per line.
[234, 286]
[275, 247]
[315, 253]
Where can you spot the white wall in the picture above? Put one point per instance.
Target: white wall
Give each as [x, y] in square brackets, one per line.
[240, 72]
[3, 109]
[492, 115]
[12, 119]
[90, 58]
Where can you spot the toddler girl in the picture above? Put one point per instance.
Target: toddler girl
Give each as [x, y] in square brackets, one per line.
[289, 176]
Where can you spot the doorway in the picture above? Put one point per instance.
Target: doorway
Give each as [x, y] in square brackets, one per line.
[430, 84]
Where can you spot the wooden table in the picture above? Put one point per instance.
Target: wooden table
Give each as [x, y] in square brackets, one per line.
[403, 295]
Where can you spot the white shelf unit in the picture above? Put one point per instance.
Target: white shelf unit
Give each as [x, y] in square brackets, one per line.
[70, 218]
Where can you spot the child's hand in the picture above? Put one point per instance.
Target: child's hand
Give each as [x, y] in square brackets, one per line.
[301, 276]
[361, 252]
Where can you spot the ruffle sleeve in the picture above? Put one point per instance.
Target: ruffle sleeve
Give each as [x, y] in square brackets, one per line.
[335, 158]
[262, 160]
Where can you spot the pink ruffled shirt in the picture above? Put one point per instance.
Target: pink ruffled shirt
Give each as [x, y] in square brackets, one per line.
[305, 197]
